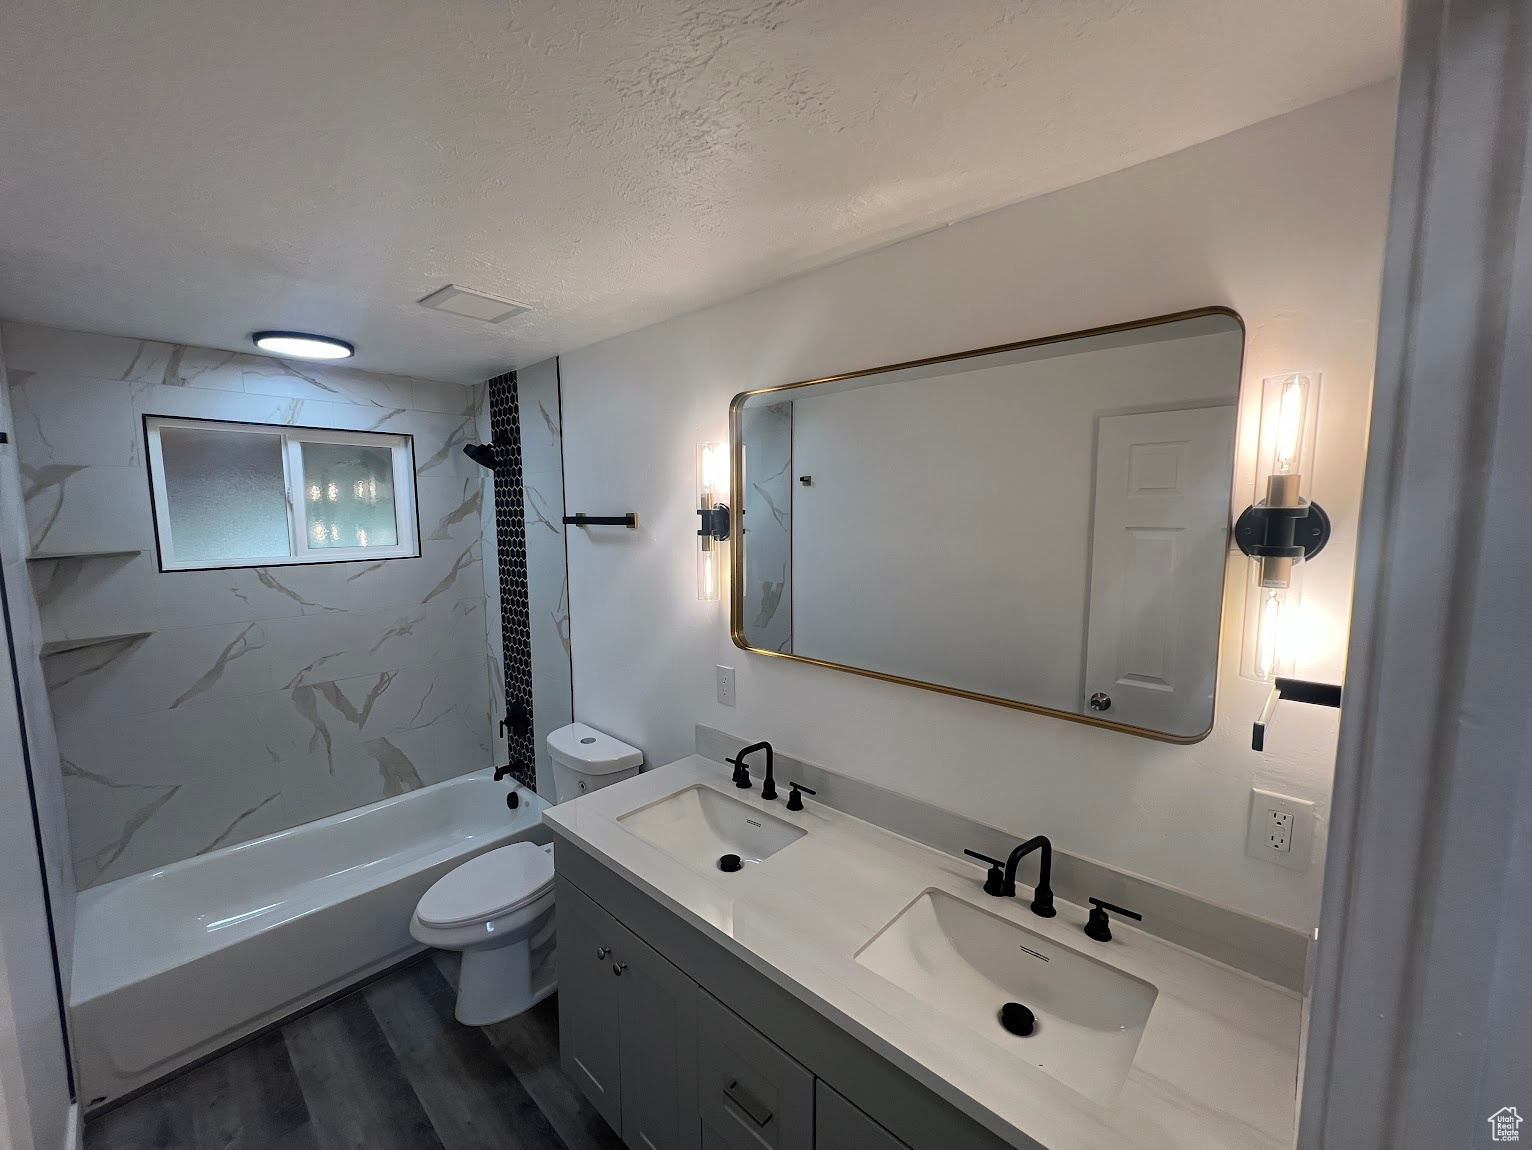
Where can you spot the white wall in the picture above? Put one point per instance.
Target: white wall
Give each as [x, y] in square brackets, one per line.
[946, 536]
[1282, 221]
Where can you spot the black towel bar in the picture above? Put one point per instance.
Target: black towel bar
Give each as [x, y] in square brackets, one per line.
[580, 519]
[1299, 691]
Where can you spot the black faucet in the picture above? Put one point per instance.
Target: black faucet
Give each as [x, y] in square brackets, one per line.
[742, 770]
[1042, 894]
[1001, 879]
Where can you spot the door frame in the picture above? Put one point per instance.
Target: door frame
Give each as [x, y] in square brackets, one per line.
[1422, 1006]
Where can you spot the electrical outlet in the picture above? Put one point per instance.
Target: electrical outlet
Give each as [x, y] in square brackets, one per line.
[1281, 829]
[725, 685]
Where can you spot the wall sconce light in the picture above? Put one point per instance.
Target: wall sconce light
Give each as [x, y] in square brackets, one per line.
[1282, 527]
[713, 491]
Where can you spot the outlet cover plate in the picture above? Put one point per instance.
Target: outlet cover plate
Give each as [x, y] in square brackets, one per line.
[725, 676]
[1275, 819]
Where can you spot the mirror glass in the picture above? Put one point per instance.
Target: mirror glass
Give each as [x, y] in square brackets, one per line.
[1044, 525]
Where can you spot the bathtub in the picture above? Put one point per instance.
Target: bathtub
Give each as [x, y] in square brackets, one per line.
[175, 963]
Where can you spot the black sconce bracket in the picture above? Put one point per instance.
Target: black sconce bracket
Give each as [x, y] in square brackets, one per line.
[715, 522]
[1282, 532]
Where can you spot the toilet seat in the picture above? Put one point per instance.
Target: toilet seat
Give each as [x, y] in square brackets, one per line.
[488, 886]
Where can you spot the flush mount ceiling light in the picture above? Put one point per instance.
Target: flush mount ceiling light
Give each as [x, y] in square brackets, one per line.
[303, 345]
[473, 303]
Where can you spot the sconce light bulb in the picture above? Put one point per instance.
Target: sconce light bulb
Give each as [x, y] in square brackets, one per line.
[1268, 631]
[712, 489]
[1290, 425]
[714, 472]
[707, 576]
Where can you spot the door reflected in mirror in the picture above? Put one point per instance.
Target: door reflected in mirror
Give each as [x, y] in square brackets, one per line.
[1043, 525]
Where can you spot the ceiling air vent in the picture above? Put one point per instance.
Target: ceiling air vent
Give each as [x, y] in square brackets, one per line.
[473, 304]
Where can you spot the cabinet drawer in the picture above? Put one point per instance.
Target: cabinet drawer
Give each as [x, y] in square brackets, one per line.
[838, 1125]
[752, 1094]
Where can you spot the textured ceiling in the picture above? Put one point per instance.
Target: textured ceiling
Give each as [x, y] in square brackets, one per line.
[192, 170]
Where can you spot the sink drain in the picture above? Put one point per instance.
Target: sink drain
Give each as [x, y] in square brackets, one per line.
[1018, 1019]
[730, 863]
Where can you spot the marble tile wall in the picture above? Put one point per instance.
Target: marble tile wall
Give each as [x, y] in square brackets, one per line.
[493, 643]
[259, 698]
[542, 478]
[767, 505]
[37, 716]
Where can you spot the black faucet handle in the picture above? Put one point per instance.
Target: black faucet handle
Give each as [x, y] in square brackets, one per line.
[795, 799]
[994, 881]
[1099, 926]
[741, 772]
[1122, 910]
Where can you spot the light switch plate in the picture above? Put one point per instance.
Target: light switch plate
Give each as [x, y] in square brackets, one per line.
[1281, 829]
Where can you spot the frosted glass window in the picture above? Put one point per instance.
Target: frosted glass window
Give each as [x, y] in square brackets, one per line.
[225, 495]
[254, 495]
[348, 490]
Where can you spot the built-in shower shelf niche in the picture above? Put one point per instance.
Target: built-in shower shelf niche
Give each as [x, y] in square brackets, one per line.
[59, 646]
[45, 556]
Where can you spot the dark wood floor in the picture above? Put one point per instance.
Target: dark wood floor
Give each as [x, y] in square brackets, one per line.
[386, 1067]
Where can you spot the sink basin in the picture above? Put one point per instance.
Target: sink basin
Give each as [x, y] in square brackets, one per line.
[699, 825]
[967, 963]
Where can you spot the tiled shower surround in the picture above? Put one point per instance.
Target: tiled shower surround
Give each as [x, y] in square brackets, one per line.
[511, 549]
[528, 588]
[544, 567]
[259, 698]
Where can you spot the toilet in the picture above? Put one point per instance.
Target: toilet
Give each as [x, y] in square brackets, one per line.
[497, 908]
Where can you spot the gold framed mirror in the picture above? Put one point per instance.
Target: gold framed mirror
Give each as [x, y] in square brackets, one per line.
[1043, 525]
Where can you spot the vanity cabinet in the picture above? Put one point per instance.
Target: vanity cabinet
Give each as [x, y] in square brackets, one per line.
[627, 1028]
[681, 1046]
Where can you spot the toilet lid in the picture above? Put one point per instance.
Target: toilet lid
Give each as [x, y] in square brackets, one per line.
[495, 882]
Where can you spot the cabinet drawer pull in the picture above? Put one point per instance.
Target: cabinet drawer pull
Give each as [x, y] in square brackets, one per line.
[619, 967]
[603, 951]
[753, 1109]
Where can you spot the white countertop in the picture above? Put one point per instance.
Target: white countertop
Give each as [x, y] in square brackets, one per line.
[1218, 1062]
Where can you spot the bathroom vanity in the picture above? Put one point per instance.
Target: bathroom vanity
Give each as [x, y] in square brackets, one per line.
[842, 990]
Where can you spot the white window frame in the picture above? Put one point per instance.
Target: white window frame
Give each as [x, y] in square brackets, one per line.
[406, 521]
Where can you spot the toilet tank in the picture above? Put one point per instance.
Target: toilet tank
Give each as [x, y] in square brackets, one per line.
[585, 759]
